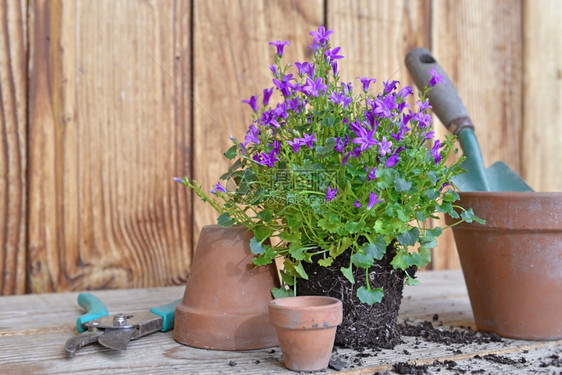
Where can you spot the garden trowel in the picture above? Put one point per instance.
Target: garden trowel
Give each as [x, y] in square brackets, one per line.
[450, 109]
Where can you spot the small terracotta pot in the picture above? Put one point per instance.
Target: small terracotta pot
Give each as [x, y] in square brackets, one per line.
[225, 302]
[306, 327]
[512, 265]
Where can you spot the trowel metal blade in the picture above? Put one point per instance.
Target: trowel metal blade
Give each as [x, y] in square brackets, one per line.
[117, 339]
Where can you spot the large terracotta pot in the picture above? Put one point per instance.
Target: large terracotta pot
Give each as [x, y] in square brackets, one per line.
[306, 327]
[226, 297]
[512, 265]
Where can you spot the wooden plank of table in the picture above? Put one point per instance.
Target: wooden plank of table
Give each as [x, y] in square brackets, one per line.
[33, 330]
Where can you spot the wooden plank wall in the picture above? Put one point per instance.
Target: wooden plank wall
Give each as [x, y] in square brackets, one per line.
[103, 102]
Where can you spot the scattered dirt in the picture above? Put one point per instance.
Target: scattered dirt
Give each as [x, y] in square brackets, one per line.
[363, 326]
[427, 331]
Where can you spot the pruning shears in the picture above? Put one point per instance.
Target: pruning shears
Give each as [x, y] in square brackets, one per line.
[115, 331]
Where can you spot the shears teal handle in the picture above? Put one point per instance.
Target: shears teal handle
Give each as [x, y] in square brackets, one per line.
[94, 307]
[168, 314]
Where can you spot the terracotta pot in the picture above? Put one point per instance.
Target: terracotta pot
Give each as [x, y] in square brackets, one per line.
[225, 302]
[512, 265]
[306, 327]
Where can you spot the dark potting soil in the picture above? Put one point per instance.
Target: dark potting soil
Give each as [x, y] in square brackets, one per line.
[427, 331]
[363, 326]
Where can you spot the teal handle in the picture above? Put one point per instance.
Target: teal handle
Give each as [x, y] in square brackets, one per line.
[168, 314]
[94, 307]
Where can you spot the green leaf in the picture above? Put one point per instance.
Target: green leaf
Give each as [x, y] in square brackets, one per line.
[402, 185]
[225, 220]
[340, 247]
[294, 221]
[469, 216]
[432, 176]
[410, 237]
[331, 224]
[362, 260]
[326, 262]
[445, 207]
[348, 273]
[403, 259]
[256, 247]
[287, 278]
[375, 249]
[282, 292]
[354, 227]
[231, 152]
[432, 194]
[291, 237]
[262, 232]
[262, 261]
[425, 256]
[300, 270]
[265, 215]
[370, 296]
[326, 148]
[411, 282]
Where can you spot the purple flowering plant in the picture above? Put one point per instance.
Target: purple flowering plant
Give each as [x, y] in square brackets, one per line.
[324, 171]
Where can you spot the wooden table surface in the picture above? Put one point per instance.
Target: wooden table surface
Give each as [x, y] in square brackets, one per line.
[34, 328]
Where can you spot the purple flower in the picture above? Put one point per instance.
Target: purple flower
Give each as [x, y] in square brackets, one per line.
[177, 179]
[268, 159]
[423, 106]
[273, 69]
[321, 36]
[294, 104]
[365, 138]
[423, 119]
[252, 135]
[340, 146]
[400, 134]
[309, 139]
[435, 151]
[284, 85]
[435, 78]
[314, 87]
[384, 146]
[389, 86]
[347, 87]
[296, 143]
[280, 110]
[371, 174]
[268, 119]
[357, 204]
[366, 81]
[330, 194]
[305, 68]
[267, 95]
[253, 102]
[333, 54]
[405, 92]
[394, 158]
[280, 45]
[384, 106]
[334, 67]
[218, 187]
[373, 199]
[340, 98]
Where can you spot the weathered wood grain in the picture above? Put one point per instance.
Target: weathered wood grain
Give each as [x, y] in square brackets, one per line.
[108, 128]
[375, 37]
[231, 63]
[13, 144]
[542, 93]
[479, 45]
[44, 322]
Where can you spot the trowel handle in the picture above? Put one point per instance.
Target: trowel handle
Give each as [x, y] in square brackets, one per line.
[444, 98]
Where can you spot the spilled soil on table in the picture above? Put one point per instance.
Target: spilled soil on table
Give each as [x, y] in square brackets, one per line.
[453, 339]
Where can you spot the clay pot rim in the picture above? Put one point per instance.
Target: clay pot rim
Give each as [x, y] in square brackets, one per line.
[290, 303]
